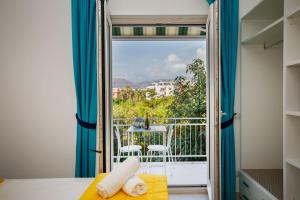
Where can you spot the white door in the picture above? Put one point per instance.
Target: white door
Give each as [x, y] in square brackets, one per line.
[108, 88]
[104, 33]
[213, 184]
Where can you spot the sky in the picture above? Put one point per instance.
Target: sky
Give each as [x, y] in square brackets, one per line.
[139, 61]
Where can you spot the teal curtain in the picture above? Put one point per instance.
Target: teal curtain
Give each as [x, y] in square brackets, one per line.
[229, 14]
[210, 1]
[85, 75]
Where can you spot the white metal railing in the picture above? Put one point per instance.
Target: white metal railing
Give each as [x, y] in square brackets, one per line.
[188, 140]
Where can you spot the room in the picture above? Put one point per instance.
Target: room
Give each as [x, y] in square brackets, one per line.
[200, 96]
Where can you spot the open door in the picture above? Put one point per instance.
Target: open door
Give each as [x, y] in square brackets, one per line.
[213, 184]
[104, 33]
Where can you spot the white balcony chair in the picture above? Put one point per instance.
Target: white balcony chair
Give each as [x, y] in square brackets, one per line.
[162, 149]
[127, 149]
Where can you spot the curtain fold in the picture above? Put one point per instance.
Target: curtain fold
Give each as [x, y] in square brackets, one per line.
[229, 19]
[85, 75]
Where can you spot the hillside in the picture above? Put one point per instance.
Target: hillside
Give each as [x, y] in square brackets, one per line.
[121, 83]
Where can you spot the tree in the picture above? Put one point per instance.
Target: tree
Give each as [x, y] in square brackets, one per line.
[132, 103]
[125, 94]
[151, 93]
[190, 93]
[188, 101]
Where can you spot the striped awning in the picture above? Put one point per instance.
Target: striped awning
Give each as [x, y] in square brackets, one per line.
[191, 31]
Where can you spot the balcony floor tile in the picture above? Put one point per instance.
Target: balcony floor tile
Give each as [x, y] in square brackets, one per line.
[183, 174]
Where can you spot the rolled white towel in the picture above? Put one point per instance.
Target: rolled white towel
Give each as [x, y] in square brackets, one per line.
[135, 187]
[114, 181]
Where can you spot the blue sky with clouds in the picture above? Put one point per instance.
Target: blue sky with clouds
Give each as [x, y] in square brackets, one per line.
[139, 61]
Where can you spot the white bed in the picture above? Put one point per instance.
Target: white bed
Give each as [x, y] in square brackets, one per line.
[46, 189]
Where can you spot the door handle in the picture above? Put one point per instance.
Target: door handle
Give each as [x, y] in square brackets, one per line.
[96, 151]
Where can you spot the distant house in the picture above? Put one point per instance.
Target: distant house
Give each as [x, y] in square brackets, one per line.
[162, 88]
[116, 92]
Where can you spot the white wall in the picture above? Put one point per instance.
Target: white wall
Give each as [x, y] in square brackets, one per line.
[259, 98]
[37, 97]
[158, 7]
[262, 111]
[247, 5]
[243, 151]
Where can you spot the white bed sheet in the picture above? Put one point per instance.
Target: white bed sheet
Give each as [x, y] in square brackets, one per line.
[46, 189]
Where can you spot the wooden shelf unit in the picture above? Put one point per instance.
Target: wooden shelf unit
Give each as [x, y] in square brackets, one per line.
[294, 13]
[291, 7]
[294, 162]
[269, 35]
[259, 11]
[292, 89]
[291, 131]
[268, 23]
[294, 63]
[262, 25]
[292, 41]
[293, 113]
[262, 32]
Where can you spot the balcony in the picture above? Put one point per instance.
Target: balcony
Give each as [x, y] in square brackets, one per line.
[188, 146]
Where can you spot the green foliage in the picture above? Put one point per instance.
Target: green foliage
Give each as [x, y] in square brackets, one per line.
[189, 99]
[133, 103]
[190, 94]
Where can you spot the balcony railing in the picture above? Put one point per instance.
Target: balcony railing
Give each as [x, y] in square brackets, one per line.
[188, 141]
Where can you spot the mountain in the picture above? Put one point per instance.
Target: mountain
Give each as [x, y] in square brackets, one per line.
[122, 83]
[143, 84]
[147, 83]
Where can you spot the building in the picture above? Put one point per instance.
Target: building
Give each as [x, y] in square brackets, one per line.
[116, 92]
[162, 88]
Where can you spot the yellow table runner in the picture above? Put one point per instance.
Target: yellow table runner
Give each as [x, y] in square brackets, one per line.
[157, 189]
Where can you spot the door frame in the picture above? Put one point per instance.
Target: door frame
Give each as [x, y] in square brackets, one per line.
[213, 44]
[104, 119]
[104, 160]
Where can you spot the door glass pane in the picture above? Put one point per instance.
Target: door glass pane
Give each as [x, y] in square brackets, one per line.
[160, 73]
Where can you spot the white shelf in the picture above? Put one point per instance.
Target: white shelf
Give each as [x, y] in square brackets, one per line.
[292, 32]
[271, 34]
[294, 13]
[265, 10]
[293, 113]
[294, 63]
[291, 94]
[294, 162]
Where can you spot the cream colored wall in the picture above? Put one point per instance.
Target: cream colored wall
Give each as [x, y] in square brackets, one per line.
[259, 98]
[158, 7]
[37, 97]
[247, 5]
[245, 153]
[262, 111]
